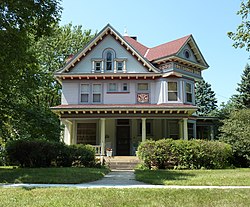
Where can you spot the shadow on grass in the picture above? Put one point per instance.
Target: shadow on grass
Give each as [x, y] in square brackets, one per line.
[159, 177]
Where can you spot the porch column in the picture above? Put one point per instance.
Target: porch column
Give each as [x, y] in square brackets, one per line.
[185, 129]
[180, 129]
[143, 129]
[102, 124]
[67, 136]
[212, 132]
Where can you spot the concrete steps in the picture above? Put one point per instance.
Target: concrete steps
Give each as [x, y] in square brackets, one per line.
[122, 162]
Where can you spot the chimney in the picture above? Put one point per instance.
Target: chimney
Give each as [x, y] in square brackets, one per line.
[134, 37]
[69, 58]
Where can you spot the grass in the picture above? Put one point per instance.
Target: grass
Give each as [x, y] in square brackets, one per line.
[50, 175]
[53, 197]
[227, 177]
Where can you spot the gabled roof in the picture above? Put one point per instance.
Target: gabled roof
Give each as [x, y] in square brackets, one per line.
[168, 49]
[108, 30]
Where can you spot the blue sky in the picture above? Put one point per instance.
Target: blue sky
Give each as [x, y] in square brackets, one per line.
[160, 21]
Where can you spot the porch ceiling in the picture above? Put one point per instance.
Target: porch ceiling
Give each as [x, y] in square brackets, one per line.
[121, 110]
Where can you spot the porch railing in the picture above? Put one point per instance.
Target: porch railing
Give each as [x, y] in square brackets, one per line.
[97, 149]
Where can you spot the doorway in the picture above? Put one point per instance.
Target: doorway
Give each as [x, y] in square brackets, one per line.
[123, 137]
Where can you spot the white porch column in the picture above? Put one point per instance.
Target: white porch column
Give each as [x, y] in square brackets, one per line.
[180, 129]
[143, 129]
[102, 124]
[185, 129]
[212, 132]
[67, 136]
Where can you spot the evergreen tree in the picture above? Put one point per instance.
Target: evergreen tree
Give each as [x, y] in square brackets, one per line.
[205, 98]
[242, 100]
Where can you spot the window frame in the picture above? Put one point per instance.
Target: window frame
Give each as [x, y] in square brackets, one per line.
[189, 93]
[172, 91]
[96, 93]
[85, 93]
[116, 87]
[117, 65]
[95, 66]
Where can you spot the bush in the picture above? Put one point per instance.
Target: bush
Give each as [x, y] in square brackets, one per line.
[193, 154]
[41, 153]
[236, 132]
[82, 155]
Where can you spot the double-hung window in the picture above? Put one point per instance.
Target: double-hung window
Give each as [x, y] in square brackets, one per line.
[189, 95]
[119, 65]
[109, 60]
[85, 90]
[97, 93]
[172, 91]
[124, 87]
[98, 66]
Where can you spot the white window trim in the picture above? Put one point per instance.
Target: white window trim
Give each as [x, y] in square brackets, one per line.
[116, 90]
[192, 92]
[178, 91]
[81, 93]
[94, 93]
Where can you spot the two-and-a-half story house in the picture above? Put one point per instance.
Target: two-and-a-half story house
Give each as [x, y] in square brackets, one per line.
[116, 92]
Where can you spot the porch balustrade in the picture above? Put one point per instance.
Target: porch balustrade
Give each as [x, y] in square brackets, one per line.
[97, 149]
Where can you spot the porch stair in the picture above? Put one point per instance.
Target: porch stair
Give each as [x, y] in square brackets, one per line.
[122, 162]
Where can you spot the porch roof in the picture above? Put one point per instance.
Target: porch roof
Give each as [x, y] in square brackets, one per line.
[175, 108]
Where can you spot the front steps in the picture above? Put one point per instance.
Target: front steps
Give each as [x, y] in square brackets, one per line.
[122, 162]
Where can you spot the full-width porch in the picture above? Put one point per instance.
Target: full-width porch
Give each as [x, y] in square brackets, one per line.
[123, 127]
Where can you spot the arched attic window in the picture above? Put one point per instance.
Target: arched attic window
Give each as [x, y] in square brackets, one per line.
[109, 56]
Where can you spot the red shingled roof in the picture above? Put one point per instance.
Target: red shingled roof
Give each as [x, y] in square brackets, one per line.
[163, 50]
[137, 45]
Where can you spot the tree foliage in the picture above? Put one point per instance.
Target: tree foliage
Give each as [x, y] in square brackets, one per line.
[242, 100]
[51, 54]
[236, 131]
[241, 37]
[20, 23]
[205, 98]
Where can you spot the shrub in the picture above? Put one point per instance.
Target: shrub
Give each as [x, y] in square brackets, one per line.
[41, 153]
[236, 131]
[82, 155]
[193, 154]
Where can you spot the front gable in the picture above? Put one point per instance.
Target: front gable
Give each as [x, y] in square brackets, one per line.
[190, 52]
[86, 61]
[119, 55]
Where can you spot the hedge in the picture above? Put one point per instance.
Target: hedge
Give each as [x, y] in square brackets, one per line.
[184, 154]
[41, 153]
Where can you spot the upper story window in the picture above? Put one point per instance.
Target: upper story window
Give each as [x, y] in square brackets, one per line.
[119, 65]
[85, 90]
[189, 94]
[98, 65]
[142, 87]
[112, 87]
[172, 91]
[97, 92]
[124, 87]
[109, 61]
[143, 93]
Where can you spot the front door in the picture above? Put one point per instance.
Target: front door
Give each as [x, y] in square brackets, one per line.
[122, 140]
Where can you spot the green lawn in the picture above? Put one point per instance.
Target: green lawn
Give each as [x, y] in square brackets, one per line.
[240, 176]
[50, 175]
[56, 197]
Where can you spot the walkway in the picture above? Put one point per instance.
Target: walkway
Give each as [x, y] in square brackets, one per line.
[117, 179]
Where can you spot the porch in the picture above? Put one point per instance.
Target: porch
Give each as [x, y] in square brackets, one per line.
[122, 127]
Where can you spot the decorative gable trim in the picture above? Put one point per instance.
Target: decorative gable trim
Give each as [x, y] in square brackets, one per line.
[108, 30]
[197, 53]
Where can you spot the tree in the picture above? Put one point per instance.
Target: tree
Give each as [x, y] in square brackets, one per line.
[205, 98]
[242, 100]
[241, 37]
[51, 53]
[236, 131]
[20, 23]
